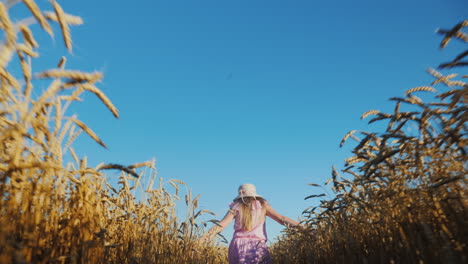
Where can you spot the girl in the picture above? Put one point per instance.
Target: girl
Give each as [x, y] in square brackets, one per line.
[248, 245]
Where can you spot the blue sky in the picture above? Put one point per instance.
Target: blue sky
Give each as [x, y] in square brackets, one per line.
[227, 92]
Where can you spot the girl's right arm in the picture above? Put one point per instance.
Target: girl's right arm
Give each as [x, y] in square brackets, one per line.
[218, 227]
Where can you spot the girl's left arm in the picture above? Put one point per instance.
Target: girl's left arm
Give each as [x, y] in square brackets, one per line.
[281, 219]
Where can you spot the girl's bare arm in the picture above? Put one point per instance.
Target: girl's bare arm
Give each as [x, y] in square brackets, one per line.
[227, 219]
[281, 219]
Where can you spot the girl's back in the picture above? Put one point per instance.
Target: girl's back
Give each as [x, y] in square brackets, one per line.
[248, 245]
[249, 241]
[258, 226]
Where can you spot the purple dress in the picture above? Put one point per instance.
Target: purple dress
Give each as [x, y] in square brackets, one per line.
[249, 247]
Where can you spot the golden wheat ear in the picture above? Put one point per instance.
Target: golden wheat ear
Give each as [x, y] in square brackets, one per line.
[104, 99]
[118, 167]
[88, 131]
[36, 12]
[419, 89]
[63, 25]
[58, 208]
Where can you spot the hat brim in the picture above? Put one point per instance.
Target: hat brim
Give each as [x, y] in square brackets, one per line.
[240, 197]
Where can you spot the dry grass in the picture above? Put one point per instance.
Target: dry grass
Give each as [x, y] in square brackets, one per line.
[406, 200]
[54, 211]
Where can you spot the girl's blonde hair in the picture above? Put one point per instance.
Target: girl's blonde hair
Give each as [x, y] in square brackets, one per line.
[245, 211]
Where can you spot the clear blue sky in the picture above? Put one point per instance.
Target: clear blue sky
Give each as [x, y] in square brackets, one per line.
[227, 92]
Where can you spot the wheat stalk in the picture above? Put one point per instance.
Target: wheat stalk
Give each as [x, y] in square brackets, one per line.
[419, 89]
[66, 18]
[36, 12]
[7, 25]
[88, 131]
[28, 36]
[63, 25]
[370, 112]
[102, 97]
[76, 76]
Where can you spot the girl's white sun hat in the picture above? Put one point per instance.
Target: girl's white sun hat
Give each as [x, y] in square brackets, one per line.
[247, 190]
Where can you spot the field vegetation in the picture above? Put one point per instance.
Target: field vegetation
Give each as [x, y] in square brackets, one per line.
[55, 208]
[404, 199]
[403, 196]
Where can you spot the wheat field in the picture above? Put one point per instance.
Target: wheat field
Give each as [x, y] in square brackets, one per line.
[403, 194]
[55, 208]
[404, 199]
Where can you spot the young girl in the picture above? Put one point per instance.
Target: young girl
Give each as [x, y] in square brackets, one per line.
[248, 245]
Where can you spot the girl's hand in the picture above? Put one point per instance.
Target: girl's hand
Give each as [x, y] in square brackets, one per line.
[205, 238]
[202, 240]
[306, 230]
[199, 243]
